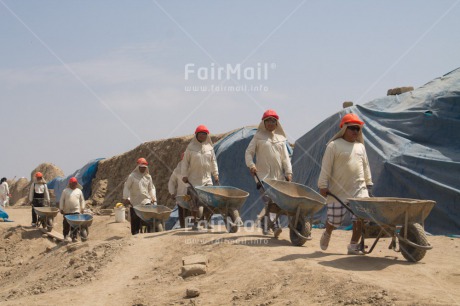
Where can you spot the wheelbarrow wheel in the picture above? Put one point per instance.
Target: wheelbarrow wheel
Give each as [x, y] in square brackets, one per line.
[304, 228]
[84, 234]
[49, 224]
[415, 234]
[232, 227]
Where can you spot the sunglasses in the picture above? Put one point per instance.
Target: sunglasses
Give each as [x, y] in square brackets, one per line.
[354, 128]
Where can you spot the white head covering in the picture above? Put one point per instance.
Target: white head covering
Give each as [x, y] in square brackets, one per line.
[342, 132]
[277, 135]
[197, 146]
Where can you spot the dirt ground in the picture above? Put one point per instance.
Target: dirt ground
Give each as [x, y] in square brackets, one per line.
[246, 268]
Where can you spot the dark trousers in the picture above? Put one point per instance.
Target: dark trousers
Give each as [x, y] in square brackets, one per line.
[135, 222]
[66, 225]
[183, 213]
[36, 203]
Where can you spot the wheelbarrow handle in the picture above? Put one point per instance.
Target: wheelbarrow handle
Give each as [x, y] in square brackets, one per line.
[343, 204]
[258, 180]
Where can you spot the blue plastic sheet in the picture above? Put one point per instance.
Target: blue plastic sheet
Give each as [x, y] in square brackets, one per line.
[84, 176]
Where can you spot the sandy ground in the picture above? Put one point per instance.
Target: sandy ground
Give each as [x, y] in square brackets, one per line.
[246, 268]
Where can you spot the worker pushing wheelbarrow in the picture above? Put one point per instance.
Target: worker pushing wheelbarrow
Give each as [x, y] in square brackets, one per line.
[400, 219]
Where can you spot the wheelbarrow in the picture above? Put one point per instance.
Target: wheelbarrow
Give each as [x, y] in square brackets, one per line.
[79, 224]
[296, 201]
[153, 215]
[400, 219]
[226, 201]
[45, 217]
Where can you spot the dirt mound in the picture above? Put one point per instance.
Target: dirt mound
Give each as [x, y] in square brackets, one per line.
[19, 191]
[49, 171]
[163, 157]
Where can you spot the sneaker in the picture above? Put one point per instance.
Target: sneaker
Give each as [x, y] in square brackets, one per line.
[33, 224]
[277, 231]
[324, 242]
[67, 239]
[354, 249]
[195, 227]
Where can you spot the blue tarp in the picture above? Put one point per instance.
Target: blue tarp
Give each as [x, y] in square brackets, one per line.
[413, 145]
[3, 213]
[84, 176]
[233, 171]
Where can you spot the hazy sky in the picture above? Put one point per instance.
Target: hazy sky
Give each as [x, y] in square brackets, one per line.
[86, 79]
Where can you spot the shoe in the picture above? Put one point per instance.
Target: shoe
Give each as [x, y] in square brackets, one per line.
[195, 227]
[354, 249]
[33, 224]
[67, 239]
[324, 242]
[209, 226]
[277, 231]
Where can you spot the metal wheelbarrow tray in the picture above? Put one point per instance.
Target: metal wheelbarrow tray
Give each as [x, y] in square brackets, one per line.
[151, 214]
[46, 216]
[297, 202]
[400, 218]
[79, 223]
[225, 200]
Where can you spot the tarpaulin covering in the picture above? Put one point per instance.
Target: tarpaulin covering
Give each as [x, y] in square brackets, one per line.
[84, 176]
[413, 145]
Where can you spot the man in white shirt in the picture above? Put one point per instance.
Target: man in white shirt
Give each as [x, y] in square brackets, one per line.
[72, 202]
[138, 190]
[345, 172]
[38, 195]
[4, 192]
[198, 167]
[269, 147]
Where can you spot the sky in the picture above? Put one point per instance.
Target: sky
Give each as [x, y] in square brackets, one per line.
[92, 79]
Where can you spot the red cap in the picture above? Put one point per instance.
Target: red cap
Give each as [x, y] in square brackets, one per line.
[350, 118]
[142, 161]
[270, 113]
[73, 179]
[201, 129]
[38, 175]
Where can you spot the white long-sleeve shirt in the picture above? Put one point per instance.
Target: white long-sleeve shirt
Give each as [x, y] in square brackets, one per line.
[175, 185]
[199, 163]
[4, 189]
[271, 153]
[139, 188]
[39, 188]
[72, 201]
[345, 170]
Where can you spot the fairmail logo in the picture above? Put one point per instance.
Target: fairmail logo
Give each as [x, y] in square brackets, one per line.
[238, 72]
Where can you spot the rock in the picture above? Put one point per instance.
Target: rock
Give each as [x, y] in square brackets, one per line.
[48, 249]
[44, 236]
[192, 292]
[90, 268]
[192, 270]
[195, 259]
[78, 274]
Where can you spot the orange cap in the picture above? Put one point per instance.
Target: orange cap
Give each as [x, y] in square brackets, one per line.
[38, 175]
[73, 179]
[270, 113]
[201, 129]
[350, 118]
[142, 161]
